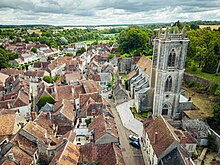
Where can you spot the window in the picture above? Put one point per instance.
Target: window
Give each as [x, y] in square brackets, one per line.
[168, 85]
[190, 148]
[165, 109]
[172, 58]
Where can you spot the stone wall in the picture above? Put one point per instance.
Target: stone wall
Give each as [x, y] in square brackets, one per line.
[191, 77]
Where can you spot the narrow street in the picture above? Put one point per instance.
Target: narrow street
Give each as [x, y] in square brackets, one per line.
[132, 156]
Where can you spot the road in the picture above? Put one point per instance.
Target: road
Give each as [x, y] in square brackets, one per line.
[132, 156]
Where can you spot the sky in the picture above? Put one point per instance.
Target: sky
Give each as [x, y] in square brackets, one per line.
[106, 12]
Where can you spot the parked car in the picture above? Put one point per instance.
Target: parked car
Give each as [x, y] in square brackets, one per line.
[133, 138]
[135, 144]
[109, 96]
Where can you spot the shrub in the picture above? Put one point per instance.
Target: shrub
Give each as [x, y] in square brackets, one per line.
[45, 99]
[88, 121]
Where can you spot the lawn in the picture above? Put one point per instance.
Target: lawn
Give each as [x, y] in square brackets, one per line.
[124, 76]
[210, 77]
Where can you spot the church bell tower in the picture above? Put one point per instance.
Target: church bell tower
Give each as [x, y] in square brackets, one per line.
[169, 56]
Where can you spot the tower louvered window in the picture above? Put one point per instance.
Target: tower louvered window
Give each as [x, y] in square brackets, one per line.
[168, 85]
[172, 59]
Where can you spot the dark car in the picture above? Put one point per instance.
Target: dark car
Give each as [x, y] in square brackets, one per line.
[133, 138]
[135, 144]
[109, 96]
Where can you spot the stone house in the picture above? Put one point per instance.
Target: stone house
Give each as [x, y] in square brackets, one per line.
[102, 154]
[162, 146]
[103, 130]
[67, 154]
[120, 94]
[198, 128]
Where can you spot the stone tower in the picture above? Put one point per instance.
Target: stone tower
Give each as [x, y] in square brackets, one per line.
[169, 56]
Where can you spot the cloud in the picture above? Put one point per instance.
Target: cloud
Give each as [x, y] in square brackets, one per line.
[84, 12]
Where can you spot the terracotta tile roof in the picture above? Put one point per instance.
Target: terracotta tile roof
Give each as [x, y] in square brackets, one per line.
[135, 59]
[20, 156]
[68, 154]
[94, 106]
[103, 125]
[3, 77]
[7, 162]
[102, 154]
[72, 77]
[165, 135]
[91, 86]
[145, 64]
[25, 144]
[11, 71]
[45, 122]
[83, 98]
[7, 122]
[38, 73]
[66, 108]
[40, 133]
[131, 74]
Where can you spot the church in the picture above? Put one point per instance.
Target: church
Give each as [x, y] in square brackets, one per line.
[155, 85]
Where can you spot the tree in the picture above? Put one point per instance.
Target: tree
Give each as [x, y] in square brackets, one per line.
[34, 50]
[132, 39]
[45, 99]
[110, 56]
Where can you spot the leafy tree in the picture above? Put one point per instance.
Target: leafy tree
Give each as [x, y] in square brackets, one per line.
[110, 56]
[45, 99]
[80, 51]
[132, 39]
[69, 54]
[34, 50]
[48, 79]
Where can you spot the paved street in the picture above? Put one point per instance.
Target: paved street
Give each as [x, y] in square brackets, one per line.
[128, 119]
[132, 156]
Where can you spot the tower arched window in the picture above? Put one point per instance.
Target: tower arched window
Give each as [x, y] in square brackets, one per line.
[168, 85]
[172, 58]
[165, 109]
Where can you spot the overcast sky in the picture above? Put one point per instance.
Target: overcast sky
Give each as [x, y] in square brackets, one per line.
[94, 12]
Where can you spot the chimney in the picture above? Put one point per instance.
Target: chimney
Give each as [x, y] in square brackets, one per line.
[9, 106]
[11, 157]
[17, 143]
[190, 98]
[48, 115]
[155, 137]
[54, 127]
[33, 116]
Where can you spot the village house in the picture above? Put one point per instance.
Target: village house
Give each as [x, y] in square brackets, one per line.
[102, 154]
[103, 130]
[67, 154]
[119, 93]
[161, 145]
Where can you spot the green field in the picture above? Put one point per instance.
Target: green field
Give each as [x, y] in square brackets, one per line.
[210, 77]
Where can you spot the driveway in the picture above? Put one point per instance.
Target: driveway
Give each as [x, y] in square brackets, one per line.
[128, 119]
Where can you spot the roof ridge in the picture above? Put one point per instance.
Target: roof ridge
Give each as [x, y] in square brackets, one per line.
[169, 128]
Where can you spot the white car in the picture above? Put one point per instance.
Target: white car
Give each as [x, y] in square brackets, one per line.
[133, 138]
